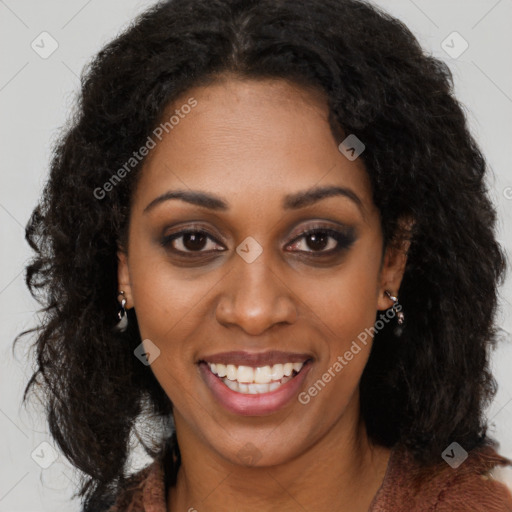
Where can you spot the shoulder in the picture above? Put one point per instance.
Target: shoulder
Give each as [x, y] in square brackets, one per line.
[142, 490]
[471, 486]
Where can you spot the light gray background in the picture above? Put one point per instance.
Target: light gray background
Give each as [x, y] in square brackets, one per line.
[36, 95]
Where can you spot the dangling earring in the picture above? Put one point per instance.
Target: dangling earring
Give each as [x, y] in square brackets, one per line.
[121, 315]
[399, 314]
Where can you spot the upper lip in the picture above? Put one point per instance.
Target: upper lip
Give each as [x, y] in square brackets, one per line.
[269, 358]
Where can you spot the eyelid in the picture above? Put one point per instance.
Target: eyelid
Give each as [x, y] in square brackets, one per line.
[175, 235]
[343, 235]
[318, 225]
[183, 228]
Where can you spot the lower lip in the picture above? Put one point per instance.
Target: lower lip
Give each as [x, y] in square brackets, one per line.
[253, 405]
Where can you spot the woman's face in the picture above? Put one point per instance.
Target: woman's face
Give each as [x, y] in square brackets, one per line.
[247, 287]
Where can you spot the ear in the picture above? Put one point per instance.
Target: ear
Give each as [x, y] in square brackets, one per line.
[123, 277]
[393, 266]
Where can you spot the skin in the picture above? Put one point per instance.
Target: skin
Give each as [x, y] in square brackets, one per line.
[252, 142]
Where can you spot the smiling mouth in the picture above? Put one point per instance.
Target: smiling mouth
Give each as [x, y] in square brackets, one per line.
[252, 380]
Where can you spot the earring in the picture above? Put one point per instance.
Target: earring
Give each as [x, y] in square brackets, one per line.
[121, 315]
[399, 314]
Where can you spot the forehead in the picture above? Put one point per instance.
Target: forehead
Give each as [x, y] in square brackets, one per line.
[249, 140]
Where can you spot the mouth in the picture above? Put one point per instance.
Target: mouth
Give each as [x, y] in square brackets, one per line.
[258, 387]
[255, 380]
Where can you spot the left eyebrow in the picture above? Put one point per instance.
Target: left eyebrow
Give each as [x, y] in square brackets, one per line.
[308, 197]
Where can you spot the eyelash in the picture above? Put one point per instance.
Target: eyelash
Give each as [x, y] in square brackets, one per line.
[343, 239]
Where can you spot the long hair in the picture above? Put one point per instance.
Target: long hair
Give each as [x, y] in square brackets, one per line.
[424, 389]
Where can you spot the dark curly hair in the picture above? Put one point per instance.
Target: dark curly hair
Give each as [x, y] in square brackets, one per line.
[423, 389]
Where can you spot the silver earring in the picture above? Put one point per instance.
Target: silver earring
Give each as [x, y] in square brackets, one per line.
[122, 324]
[399, 314]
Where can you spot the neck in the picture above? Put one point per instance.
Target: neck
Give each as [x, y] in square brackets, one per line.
[342, 471]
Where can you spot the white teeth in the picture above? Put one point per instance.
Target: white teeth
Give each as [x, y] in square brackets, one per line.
[245, 374]
[262, 375]
[231, 384]
[297, 366]
[273, 385]
[277, 372]
[253, 389]
[249, 380]
[231, 371]
[288, 369]
[259, 388]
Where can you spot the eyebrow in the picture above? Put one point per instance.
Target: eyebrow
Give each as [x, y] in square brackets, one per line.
[293, 201]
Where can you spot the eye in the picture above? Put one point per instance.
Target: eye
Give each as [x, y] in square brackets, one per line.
[190, 241]
[323, 241]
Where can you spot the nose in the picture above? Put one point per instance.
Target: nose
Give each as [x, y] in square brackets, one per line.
[255, 298]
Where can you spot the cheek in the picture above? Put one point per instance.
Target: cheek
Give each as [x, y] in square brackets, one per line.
[348, 302]
[348, 309]
[165, 300]
[169, 310]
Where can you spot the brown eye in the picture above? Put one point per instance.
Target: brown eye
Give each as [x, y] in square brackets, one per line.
[194, 241]
[318, 241]
[190, 241]
[323, 241]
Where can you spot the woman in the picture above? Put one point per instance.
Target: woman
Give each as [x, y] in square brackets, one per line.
[282, 205]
